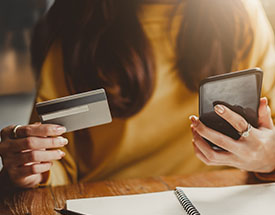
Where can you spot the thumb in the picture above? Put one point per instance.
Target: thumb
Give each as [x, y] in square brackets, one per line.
[265, 119]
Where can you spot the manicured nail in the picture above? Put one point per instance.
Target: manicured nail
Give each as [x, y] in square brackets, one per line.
[64, 141]
[62, 154]
[194, 120]
[60, 129]
[219, 109]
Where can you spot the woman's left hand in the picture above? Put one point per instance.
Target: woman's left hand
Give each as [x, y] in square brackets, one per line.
[255, 153]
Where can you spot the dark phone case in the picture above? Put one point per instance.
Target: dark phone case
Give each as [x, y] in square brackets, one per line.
[214, 121]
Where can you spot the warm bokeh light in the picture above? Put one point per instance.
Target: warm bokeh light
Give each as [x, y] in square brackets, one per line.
[15, 69]
[269, 6]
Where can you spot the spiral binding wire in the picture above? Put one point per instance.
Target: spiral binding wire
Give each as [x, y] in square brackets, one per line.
[186, 203]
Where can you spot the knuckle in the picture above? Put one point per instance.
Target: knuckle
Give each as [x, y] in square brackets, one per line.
[25, 158]
[211, 156]
[203, 158]
[27, 131]
[32, 156]
[34, 169]
[6, 131]
[211, 163]
[29, 142]
[207, 162]
[54, 142]
[48, 130]
[241, 125]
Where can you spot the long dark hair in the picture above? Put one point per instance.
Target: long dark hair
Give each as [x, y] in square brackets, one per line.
[104, 45]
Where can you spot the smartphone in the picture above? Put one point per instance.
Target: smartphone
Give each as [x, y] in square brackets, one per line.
[239, 91]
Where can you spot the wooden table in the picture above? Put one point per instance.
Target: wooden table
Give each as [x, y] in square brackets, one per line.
[40, 201]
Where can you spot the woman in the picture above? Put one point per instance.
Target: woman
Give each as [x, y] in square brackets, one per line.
[149, 56]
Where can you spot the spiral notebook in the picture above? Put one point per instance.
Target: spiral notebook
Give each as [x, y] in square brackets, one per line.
[236, 200]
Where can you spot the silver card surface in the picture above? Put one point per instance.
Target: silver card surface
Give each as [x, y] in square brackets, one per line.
[76, 112]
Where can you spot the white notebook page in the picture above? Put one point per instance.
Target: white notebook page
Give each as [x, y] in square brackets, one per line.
[162, 203]
[237, 200]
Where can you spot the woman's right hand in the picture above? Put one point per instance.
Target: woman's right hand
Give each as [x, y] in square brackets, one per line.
[28, 158]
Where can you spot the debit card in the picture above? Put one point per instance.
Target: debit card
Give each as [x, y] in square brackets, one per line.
[77, 111]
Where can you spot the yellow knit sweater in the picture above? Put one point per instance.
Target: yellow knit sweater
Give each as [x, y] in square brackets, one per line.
[156, 141]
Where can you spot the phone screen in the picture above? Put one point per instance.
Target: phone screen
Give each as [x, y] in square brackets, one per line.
[240, 93]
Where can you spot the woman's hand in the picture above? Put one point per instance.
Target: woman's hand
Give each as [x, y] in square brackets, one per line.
[255, 152]
[27, 158]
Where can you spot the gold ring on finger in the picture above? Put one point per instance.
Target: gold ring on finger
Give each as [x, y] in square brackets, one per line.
[14, 131]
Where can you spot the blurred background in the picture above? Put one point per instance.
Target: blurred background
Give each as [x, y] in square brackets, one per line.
[17, 85]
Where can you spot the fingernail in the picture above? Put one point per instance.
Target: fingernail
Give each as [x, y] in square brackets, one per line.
[219, 109]
[60, 129]
[61, 153]
[194, 120]
[63, 140]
